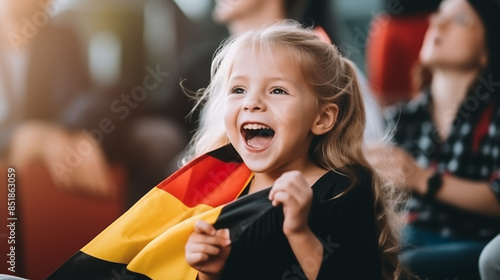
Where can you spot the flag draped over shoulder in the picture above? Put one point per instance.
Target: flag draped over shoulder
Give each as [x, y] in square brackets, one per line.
[147, 242]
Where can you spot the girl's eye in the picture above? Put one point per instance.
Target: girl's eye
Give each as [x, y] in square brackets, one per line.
[237, 90]
[278, 91]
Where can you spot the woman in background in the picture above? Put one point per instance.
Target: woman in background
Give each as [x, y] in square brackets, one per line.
[448, 142]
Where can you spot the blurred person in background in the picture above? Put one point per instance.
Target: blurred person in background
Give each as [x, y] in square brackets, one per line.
[43, 80]
[54, 113]
[56, 118]
[489, 261]
[448, 143]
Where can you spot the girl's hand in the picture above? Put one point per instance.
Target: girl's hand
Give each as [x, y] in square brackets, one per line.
[293, 192]
[207, 250]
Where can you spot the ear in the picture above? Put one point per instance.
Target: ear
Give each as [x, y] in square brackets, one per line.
[325, 119]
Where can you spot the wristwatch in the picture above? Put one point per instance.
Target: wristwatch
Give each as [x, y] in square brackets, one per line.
[434, 183]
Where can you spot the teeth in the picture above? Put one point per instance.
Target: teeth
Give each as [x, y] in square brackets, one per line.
[254, 126]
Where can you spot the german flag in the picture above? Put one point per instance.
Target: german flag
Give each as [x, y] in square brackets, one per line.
[147, 242]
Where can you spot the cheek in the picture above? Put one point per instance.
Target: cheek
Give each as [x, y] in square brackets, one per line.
[285, 114]
[476, 46]
[458, 47]
[295, 114]
[230, 118]
[466, 44]
[232, 8]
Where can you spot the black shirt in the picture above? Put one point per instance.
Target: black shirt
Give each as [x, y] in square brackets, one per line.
[345, 226]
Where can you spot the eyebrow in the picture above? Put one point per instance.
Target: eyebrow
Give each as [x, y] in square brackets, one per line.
[270, 79]
[239, 77]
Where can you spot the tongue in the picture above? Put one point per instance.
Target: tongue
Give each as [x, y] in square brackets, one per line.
[259, 141]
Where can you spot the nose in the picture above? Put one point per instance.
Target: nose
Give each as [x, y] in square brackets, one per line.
[253, 102]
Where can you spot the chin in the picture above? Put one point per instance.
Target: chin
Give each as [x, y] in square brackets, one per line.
[254, 165]
[257, 166]
[430, 61]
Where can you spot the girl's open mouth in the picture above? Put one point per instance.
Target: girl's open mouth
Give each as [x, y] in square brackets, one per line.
[257, 136]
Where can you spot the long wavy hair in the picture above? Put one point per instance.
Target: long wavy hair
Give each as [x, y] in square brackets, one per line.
[333, 79]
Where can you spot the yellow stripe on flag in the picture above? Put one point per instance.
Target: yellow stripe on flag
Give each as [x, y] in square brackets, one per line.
[156, 212]
[164, 257]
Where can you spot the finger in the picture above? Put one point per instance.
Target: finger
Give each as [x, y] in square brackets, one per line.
[281, 197]
[224, 235]
[202, 248]
[204, 227]
[208, 239]
[281, 184]
[196, 258]
[294, 186]
[290, 179]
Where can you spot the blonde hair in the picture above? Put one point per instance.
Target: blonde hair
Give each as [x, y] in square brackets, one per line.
[333, 79]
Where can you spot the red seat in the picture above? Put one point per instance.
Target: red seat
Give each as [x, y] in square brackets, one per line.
[54, 224]
[392, 52]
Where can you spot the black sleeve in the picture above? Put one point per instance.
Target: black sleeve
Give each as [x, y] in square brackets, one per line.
[346, 228]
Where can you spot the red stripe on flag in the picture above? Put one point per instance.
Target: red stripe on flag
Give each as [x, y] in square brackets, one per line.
[207, 180]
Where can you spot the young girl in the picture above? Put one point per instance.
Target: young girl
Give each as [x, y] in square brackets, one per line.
[290, 106]
[284, 110]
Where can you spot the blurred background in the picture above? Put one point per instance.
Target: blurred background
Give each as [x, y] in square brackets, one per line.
[92, 114]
